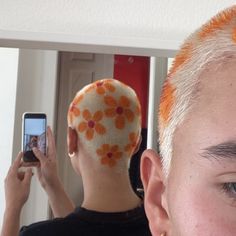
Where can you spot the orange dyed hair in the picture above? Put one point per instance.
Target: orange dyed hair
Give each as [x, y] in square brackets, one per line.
[217, 23]
[183, 56]
[213, 42]
[166, 102]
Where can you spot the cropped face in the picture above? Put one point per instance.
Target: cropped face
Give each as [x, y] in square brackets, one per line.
[200, 193]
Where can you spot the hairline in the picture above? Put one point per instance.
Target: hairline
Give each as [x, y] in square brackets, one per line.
[195, 91]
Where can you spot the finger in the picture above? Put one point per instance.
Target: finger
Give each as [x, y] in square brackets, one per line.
[16, 163]
[27, 177]
[39, 155]
[38, 171]
[30, 164]
[21, 175]
[51, 143]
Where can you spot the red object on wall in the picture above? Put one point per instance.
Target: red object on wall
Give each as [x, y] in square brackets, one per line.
[134, 71]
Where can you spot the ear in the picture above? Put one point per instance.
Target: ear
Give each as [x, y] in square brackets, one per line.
[72, 140]
[154, 189]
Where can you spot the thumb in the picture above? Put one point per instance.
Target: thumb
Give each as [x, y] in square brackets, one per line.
[39, 155]
[28, 176]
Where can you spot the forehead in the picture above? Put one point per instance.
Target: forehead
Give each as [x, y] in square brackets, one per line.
[212, 118]
[217, 81]
[216, 103]
[217, 90]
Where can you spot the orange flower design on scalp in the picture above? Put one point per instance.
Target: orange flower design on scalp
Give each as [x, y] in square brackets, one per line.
[102, 86]
[74, 110]
[133, 138]
[119, 109]
[138, 110]
[91, 124]
[109, 154]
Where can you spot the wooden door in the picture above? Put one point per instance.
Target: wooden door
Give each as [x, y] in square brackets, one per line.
[75, 71]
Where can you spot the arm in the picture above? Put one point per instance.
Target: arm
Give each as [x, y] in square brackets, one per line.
[47, 174]
[11, 223]
[17, 188]
[59, 201]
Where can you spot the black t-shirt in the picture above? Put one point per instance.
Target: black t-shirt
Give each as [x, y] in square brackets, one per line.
[83, 222]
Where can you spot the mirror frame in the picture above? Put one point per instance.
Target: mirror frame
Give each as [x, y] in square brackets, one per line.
[84, 43]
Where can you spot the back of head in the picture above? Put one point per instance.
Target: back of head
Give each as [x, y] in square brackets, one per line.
[214, 42]
[107, 118]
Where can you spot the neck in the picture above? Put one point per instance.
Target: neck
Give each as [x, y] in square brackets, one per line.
[109, 193]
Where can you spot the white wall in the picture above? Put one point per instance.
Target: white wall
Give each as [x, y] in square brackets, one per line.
[154, 27]
[36, 92]
[8, 77]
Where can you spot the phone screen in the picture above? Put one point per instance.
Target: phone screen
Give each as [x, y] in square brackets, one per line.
[34, 135]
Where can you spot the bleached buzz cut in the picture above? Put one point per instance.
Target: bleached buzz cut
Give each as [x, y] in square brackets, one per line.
[106, 115]
[213, 42]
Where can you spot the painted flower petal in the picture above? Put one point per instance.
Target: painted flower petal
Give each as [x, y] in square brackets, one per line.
[89, 134]
[100, 129]
[76, 111]
[120, 122]
[104, 160]
[110, 101]
[129, 115]
[111, 112]
[128, 147]
[100, 152]
[106, 148]
[114, 148]
[111, 162]
[138, 110]
[97, 116]
[87, 115]
[124, 101]
[109, 87]
[117, 155]
[82, 126]
[100, 90]
[132, 137]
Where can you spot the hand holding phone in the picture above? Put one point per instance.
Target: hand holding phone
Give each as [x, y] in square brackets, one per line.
[48, 177]
[20, 180]
[34, 127]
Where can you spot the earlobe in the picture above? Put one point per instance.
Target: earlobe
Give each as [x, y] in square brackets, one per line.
[153, 182]
[72, 141]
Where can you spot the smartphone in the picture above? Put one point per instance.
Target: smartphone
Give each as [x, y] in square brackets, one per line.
[34, 127]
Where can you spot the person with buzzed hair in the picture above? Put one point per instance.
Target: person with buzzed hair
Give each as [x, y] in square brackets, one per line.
[104, 124]
[190, 187]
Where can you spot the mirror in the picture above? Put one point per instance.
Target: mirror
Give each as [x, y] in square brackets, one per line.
[47, 81]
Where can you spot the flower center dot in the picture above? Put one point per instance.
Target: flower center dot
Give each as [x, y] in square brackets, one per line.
[119, 110]
[109, 155]
[91, 124]
[99, 84]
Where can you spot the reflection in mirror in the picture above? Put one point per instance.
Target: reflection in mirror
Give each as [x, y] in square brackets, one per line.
[79, 69]
[47, 82]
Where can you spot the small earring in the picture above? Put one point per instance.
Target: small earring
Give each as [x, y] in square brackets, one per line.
[163, 234]
[71, 155]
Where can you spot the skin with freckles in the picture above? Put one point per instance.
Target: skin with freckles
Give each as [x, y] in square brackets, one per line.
[207, 209]
[190, 187]
[199, 195]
